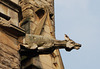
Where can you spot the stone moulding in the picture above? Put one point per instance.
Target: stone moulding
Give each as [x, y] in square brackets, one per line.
[12, 6]
[9, 27]
[4, 16]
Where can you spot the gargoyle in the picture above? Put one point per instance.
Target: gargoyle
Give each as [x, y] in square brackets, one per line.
[45, 45]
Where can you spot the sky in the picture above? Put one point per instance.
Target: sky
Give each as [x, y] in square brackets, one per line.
[80, 20]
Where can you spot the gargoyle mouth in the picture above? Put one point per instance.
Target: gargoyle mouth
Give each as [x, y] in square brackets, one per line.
[77, 47]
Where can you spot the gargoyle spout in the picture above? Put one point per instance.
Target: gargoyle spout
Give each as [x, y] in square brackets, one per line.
[47, 45]
[68, 44]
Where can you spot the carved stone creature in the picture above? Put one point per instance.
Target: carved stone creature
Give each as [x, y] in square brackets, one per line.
[45, 44]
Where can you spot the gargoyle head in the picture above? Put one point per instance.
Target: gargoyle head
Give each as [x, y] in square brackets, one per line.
[70, 44]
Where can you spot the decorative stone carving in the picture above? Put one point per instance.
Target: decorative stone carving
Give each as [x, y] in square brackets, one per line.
[38, 22]
[37, 14]
[47, 45]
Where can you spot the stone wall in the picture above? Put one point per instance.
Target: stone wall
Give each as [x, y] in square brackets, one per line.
[11, 9]
[38, 19]
[9, 34]
[9, 56]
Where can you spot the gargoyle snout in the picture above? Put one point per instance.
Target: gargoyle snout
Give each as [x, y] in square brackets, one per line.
[77, 46]
[80, 45]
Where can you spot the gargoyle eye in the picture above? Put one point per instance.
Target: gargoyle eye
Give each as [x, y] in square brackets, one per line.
[72, 42]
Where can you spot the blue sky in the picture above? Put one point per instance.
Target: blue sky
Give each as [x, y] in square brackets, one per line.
[80, 20]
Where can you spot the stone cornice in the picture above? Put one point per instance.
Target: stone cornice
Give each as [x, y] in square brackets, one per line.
[15, 7]
[9, 27]
[11, 5]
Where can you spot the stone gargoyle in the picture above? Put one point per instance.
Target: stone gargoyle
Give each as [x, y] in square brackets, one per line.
[47, 45]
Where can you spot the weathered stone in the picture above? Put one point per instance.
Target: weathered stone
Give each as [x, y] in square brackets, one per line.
[9, 33]
[10, 52]
[38, 19]
[47, 45]
[6, 39]
[4, 8]
[28, 13]
[36, 6]
[9, 56]
[15, 1]
[4, 66]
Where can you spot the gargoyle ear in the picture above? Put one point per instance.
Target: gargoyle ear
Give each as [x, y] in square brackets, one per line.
[66, 37]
